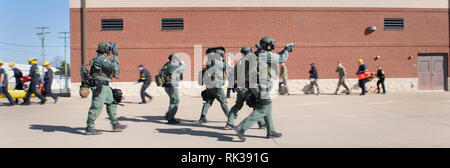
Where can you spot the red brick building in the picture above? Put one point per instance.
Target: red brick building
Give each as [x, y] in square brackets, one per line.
[411, 37]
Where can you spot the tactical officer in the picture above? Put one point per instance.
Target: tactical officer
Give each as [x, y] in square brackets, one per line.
[342, 74]
[214, 78]
[4, 84]
[242, 81]
[48, 80]
[231, 80]
[172, 73]
[313, 76]
[103, 69]
[18, 76]
[146, 79]
[380, 75]
[262, 66]
[362, 69]
[284, 78]
[35, 80]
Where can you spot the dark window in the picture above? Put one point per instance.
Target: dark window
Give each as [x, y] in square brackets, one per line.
[112, 24]
[393, 23]
[172, 24]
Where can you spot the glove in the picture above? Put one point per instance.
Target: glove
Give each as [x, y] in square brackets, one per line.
[288, 47]
[115, 51]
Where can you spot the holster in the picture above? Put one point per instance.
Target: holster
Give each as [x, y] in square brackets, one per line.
[117, 94]
[204, 95]
[252, 101]
[97, 83]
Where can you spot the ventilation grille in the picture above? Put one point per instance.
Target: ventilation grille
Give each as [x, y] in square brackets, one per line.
[393, 23]
[112, 24]
[172, 24]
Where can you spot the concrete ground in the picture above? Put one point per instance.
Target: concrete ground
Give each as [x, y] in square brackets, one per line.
[392, 120]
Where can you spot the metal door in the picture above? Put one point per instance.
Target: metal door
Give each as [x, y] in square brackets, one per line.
[424, 72]
[437, 73]
[431, 72]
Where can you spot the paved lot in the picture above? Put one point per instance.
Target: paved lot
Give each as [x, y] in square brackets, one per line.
[392, 120]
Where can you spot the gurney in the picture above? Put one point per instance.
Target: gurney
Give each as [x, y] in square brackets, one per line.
[16, 94]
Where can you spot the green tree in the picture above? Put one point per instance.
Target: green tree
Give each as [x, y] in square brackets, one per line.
[61, 69]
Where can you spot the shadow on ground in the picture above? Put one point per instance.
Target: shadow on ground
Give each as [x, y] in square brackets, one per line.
[186, 131]
[162, 120]
[53, 128]
[189, 131]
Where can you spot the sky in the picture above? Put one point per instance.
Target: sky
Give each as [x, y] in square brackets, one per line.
[18, 38]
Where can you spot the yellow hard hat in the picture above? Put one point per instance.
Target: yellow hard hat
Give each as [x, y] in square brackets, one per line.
[11, 64]
[32, 61]
[360, 60]
[1, 62]
[46, 63]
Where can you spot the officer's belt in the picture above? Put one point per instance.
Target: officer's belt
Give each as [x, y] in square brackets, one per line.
[102, 82]
[97, 82]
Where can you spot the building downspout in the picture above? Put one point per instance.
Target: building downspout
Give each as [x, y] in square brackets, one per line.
[83, 32]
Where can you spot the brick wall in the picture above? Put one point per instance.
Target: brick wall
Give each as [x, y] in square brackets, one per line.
[321, 35]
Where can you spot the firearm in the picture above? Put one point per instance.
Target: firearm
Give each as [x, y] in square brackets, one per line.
[289, 47]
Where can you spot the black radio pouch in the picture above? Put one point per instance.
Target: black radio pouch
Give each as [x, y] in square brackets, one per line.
[117, 94]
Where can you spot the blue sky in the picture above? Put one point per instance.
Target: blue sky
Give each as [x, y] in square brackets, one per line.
[18, 39]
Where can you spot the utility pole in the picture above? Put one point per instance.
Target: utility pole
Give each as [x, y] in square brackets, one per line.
[42, 34]
[65, 59]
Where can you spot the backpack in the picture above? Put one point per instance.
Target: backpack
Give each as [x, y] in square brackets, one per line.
[85, 79]
[85, 75]
[162, 77]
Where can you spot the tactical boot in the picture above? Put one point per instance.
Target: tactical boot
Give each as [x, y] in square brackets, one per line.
[166, 116]
[203, 119]
[262, 126]
[273, 134]
[25, 103]
[43, 102]
[142, 103]
[173, 121]
[240, 133]
[118, 127]
[91, 131]
[229, 127]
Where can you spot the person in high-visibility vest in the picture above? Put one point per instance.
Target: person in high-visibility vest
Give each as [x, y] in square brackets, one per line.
[48, 80]
[35, 77]
[363, 74]
[4, 84]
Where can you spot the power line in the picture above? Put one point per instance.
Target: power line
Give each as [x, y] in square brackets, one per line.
[21, 45]
[23, 51]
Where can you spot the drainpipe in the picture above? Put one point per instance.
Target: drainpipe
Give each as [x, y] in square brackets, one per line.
[83, 32]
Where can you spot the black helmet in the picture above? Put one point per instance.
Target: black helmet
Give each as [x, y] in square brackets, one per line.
[267, 43]
[245, 50]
